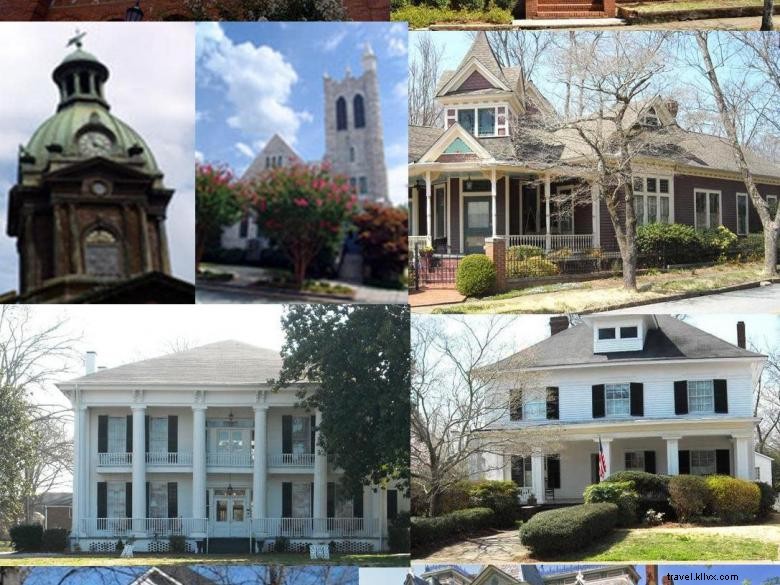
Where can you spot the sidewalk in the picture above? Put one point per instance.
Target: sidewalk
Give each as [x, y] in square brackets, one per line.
[435, 296]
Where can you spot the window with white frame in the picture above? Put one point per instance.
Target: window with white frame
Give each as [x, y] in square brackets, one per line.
[158, 434]
[301, 435]
[635, 460]
[158, 499]
[652, 199]
[117, 434]
[481, 121]
[115, 499]
[742, 214]
[650, 118]
[535, 405]
[707, 204]
[617, 399]
[772, 202]
[703, 462]
[701, 396]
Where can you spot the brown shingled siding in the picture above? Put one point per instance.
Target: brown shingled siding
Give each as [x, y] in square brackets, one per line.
[474, 82]
[454, 215]
[457, 157]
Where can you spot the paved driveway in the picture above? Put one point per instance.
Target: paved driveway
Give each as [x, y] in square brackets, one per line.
[763, 299]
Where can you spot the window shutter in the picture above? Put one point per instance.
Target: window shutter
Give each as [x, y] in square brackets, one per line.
[681, 397]
[146, 434]
[208, 505]
[287, 434]
[102, 499]
[598, 401]
[684, 462]
[128, 499]
[721, 396]
[552, 403]
[650, 461]
[331, 499]
[392, 504]
[129, 434]
[286, 499]
[516, 404]
[103, 433]
[637, 399]
[553, 473]
[357, 503]
[722, 462]
[517, 474]
[173, 499]
[173, 435]
[313, 433]
[148, 490]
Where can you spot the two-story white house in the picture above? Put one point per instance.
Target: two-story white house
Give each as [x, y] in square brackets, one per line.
[658, 394]
[197, 444]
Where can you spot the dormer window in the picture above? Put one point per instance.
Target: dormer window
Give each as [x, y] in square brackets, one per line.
[629, 332]
[607, 333]
[651, 119]
[482, 122]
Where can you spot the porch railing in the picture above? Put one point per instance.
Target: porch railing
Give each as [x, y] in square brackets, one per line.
[309, 527]
[422, 241]
[109, 459]
[180, 458]
[110, 527]
[229, 459]
[291, 460]
[524, 493]
[574, 242]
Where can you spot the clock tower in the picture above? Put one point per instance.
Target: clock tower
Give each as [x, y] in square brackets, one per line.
[88, 209]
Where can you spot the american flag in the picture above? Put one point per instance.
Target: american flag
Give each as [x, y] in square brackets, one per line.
[602, 462]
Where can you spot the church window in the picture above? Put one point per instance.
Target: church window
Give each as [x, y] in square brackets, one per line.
[352, 182]
[102, 255]
[279, 160]
[341, 114]
[363, 185]
[268, 162]
[360, 114]
[351, 154]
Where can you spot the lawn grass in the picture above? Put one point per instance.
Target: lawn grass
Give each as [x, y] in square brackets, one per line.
[98, 560]
[424, 16]
[646, 8]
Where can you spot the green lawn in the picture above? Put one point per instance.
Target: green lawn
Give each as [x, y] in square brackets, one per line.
[84, 559]
[661, 7]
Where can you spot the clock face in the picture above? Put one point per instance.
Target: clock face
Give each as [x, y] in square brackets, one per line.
[94, 144]
[98, 188]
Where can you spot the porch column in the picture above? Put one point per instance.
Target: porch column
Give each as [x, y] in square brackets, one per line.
[742, 457]
[548, 236]
[258, 479]
[86, 464]
[320, 477]
[537, 477]
[79, 468]
[606, 445]
[595, 202]
[139, 469]
[494, 215]
[428, 206]
[672, 455]
[199, 462]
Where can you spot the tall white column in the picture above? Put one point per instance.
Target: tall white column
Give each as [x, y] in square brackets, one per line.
[199, 461]
[494, 215]
[741, 457]
[537, 477]
[86, 467]
[258, 479]
[320, 476]
[606, 446]
[547, 223]
[595, 201]
[78, 469]
[672, 455]
[428, 206]
[139, 469]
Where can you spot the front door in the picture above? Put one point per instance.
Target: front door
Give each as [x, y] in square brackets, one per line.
[230, 518]
[477, 224]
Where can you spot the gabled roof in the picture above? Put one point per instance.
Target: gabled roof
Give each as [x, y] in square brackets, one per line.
[671, 340]
[223, 362]
[481, 51]
[275, 145]
[172, 575]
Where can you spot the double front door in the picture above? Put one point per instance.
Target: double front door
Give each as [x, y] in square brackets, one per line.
[230, 513]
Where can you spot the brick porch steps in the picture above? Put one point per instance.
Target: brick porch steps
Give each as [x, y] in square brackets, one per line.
[569, 9]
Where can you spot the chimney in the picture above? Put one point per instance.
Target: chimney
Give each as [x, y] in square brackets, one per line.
[558, 324]
[673, 106]
[741, 341]
[90, 362]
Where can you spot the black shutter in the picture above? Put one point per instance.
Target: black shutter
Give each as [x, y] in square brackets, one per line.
[128, 499]
[637, 399]
[681, 397]
[313, 433]
[208, 510]
[516, 404]
[286, 433]
[392, 504]
[722, 462]
[721, 396]
[597, 393]
[173, 499]
[102, 499]
[103, 433]
[552, 403]
[553, 473]
[357, 503]
[650, 461]
[684, 462]
[286, 499]
[331, 499]
[129, 434]
[173, 435]
[148, 490]
[146, 435]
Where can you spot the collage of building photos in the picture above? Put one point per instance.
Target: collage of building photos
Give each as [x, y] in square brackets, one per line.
[389, 292]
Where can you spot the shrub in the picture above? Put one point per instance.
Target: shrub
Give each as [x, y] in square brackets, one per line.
[653, 518]
[398, 533]
[178, 543]
[535, 266]
[476, 276]
[504, 4]
[471, 5]
[119, 545]
[455, 498]
[398, 4]
[281, 544]
[688, 495]
[431, 531]
[751, 247]
[719, 243]
[568, 529]
[523, 252]
[422, 16]
[560, 254]
[649, 486]
[768, 498]
[733, 500]
[438, 3]
[673, 243]
[620, 493]
[26, 537]
[54, 540]
[499, 496]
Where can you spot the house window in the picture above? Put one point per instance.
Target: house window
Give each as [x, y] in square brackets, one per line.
[115, 499]
[521, 471]
[487, 121]
[772, 203]
[635, 461]
[707, 209]
[301, 435]
[360, 113]
[652, 200]
[352, 182]
[701, 396]
[651, 118]
[478, 186]
[618, 402]
[243, 228]
[466, 119]
[607, 333]
[742, 214]
[535, 405]
[268, 162]
[629, 333]
[117, 434]
[158, 434]
[703, 463]
[158, 499]
[441, 213]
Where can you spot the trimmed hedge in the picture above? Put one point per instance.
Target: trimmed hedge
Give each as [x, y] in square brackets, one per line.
[517, 253]
[535, 266]
[568, 529]
[733, 500]
[688, 495]
[26, 537]
[55, 539]
[768, 498]
[398, 538]
[499, 496]
[431, 531]
[620, 493]
[649, 486]
[476, 276]
[683, 244]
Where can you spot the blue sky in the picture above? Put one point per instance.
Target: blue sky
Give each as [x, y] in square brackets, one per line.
[257, 79]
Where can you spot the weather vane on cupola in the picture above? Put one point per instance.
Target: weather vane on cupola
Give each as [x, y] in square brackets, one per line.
[77, 40]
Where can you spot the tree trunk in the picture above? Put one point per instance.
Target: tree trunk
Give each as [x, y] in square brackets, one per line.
[766, 17]
[200, 246]
[433, 504]
[770, 251]
[299, 270]
[629, 266]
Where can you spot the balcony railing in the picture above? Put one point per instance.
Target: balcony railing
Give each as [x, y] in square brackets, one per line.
[574, 242]
[309, 527]
[291, 460]
[180, 458]
[421, 241]
[148, 526]
[110, 459]
[229, 459]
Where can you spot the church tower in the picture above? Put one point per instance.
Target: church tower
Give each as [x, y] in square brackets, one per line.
[354, 142]
[88, 209]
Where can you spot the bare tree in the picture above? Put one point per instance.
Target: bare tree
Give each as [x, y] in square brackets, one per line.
[766, 404]
[523, 49]
[766, 16]
[425, 69]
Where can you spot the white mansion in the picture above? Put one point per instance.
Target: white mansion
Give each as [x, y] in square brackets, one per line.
[197, 444]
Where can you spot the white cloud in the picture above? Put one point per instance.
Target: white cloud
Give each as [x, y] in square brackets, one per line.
[397, 181]
[199, 156]
[401, 89]
[244, 149]
[397, 150]
[332, 43]
[397, 37]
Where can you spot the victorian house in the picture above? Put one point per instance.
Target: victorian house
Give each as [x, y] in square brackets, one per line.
[196, 444]
[516, 574]
[498, 166]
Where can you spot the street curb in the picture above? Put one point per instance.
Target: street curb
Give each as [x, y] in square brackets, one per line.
[272, 292]
[632, 17]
